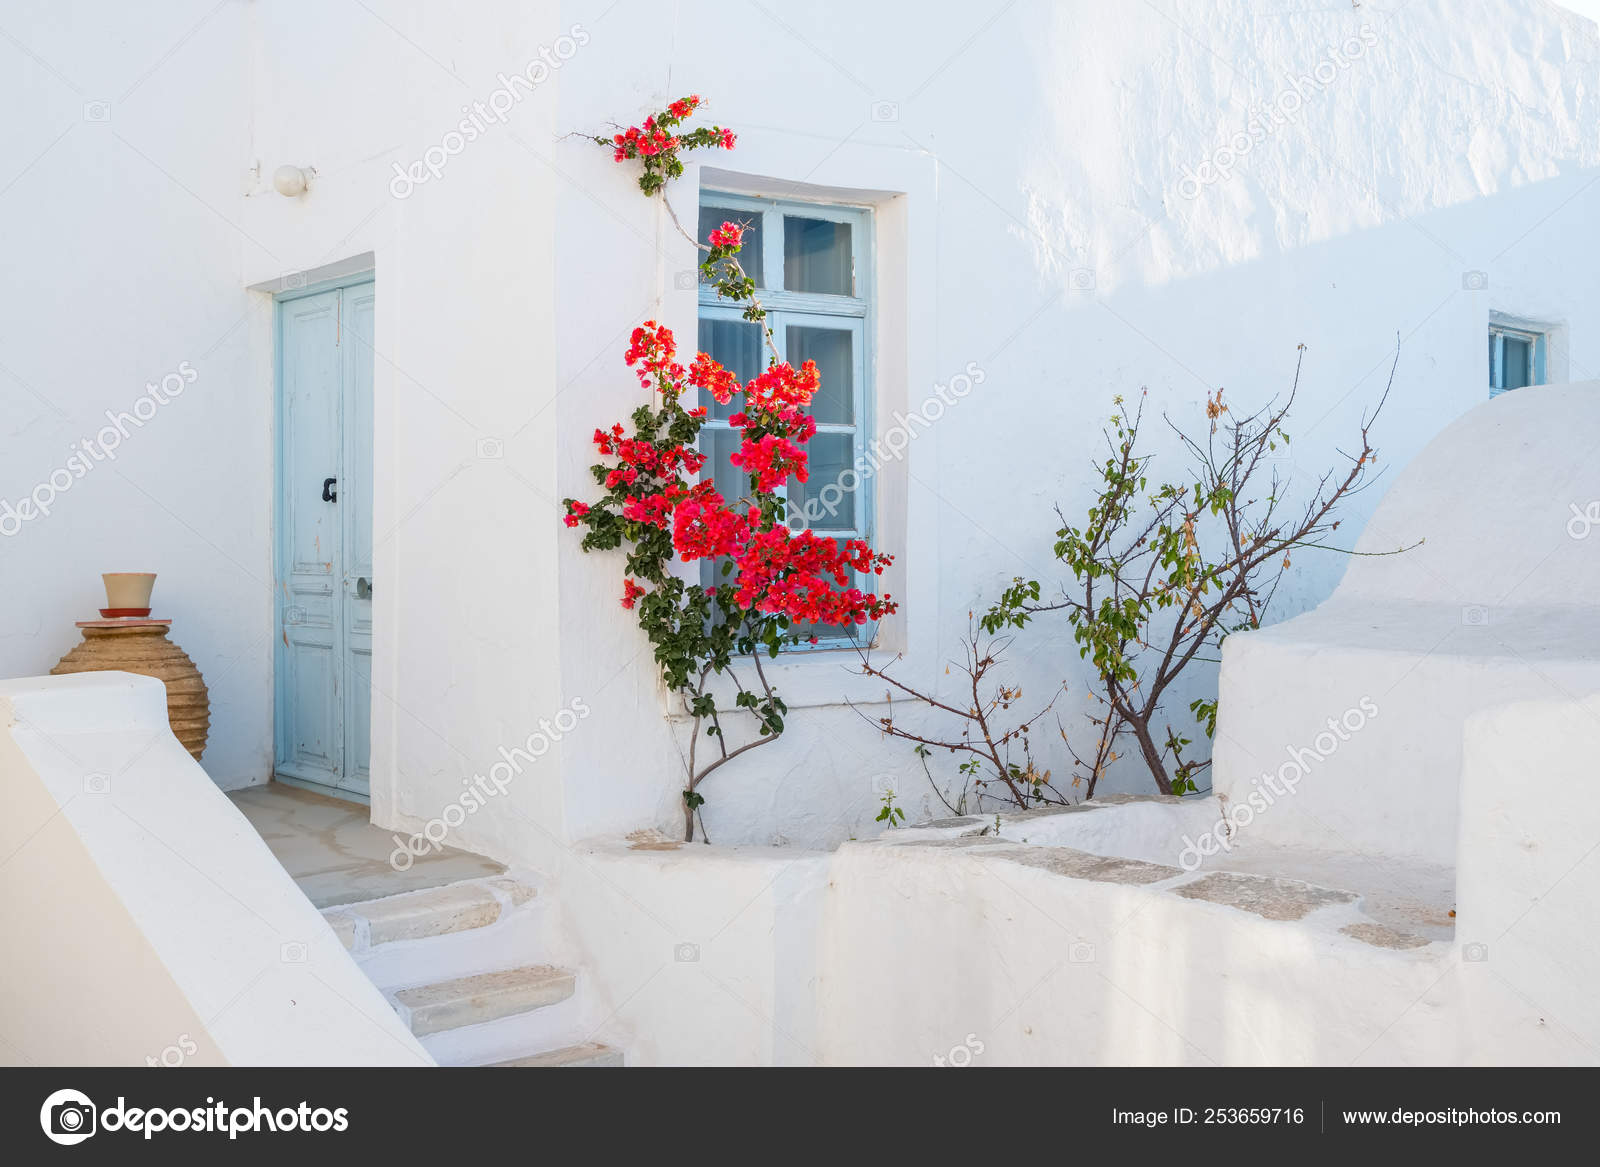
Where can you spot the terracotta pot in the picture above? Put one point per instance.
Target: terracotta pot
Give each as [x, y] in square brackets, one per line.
[129, 589]
[143, 648]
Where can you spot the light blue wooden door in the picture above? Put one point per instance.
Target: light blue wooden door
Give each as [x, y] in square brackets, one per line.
[324, 557]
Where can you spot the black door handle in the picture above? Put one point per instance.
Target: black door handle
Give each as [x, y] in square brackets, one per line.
[328, 493]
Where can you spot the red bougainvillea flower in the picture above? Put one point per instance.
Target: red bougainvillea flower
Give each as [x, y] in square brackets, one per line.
[800, 427]
[781, 387]
[772, 460]
[727, 140]
[807, 577]
[655, 136]
[630, 592]
[707, 374]
[727, 235]
[576, 510]
[652, 348]
[705, 527]
[654, 510]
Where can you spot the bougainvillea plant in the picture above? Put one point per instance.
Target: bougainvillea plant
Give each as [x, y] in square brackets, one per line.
[776, 584]
[659, 140]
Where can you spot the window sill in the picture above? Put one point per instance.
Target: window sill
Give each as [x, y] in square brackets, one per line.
[809, 679]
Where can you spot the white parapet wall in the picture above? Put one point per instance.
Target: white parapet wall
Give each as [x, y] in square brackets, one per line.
[145, 920]
[1072, 938]
[1529, 860]
[698, 955]
[1476, 585]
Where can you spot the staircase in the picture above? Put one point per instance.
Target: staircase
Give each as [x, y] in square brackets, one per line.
[448, 959]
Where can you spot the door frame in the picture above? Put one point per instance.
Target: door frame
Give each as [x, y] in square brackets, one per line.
[350, 279]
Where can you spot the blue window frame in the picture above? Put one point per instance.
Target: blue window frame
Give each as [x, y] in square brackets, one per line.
[811, 263]
[1516, 358]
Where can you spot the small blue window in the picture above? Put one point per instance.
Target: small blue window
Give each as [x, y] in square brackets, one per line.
[810, 262]
[1516, 359]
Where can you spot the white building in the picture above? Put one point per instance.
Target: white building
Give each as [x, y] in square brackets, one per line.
[1055, 203]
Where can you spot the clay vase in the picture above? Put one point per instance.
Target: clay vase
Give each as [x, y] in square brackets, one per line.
[143, 648]
[129, 589]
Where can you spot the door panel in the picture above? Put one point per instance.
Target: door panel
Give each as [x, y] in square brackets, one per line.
[357, 508]
[309, 724]
[325, 539]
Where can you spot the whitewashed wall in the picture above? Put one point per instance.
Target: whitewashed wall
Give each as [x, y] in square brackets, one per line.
[126, 142]
[1028, 165]
[465, 524]
[1032, 187]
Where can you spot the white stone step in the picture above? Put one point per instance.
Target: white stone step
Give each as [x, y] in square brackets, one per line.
[482, 997]
[588, 1053]
[419, 915]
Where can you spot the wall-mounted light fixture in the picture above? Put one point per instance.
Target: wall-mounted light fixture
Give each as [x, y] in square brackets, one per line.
[292, 181]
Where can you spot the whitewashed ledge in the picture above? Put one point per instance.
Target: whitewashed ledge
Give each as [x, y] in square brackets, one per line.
[1075, 937]
[144, 912]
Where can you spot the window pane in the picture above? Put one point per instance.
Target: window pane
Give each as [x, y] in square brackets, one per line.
[750, 253]
[719, 445]
[816, 256]
[1493, 383]
[1518, 363]
[826, 501]
[736, 345]
[835, 403]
